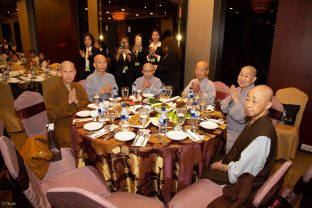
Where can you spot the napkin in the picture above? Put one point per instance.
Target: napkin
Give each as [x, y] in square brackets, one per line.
[103, 131]
[82, 120]
[142, 141]
[217, 121]
[193, 136]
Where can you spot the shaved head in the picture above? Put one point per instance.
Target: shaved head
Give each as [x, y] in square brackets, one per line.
[258, 101]
[250, 69]
[67, 64]
[99, 57]
[202, 64]
[148, 66]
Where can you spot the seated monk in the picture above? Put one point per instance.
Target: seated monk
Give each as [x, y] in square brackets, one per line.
[254, 151]
[63, 100]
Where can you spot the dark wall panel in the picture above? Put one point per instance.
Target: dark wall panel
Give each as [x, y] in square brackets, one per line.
[57, 29]
[291, 60]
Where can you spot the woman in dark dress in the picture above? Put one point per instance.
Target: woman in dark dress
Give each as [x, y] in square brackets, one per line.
[86, 58]
[168, 69]
[154, 50]
[124, 66]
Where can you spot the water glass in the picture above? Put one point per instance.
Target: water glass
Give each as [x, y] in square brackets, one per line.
[94, 114]
[96, 99]
[203, 105]
[169, 90]
[112, 115]
[125, 92]
[180, 117]
[143, 116]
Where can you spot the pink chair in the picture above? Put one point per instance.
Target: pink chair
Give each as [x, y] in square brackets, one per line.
[204, 191]
[68, 197]
[276, 111]
[35, 190]
[32, 111]
[222, 90]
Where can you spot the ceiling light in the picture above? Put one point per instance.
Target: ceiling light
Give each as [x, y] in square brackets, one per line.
[151, 13]
[107, 12]
[159, 5]
[165, 12]
[119, 16]
[109, 18]
[236, 12]
[86, 9]
[137, 15]
[101, 37]
[8, 12]
[231, 8]
[109, 2]
[144, 7]
[123, 10]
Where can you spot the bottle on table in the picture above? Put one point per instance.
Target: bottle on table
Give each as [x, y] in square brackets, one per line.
[194, 115]
[134, 90]
[163, 121]
[124, 116]
[101, 111]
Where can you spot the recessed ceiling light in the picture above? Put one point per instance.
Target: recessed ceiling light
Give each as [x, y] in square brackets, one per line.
[165, 12]
[236, 12]
[151, 13]
[268, 22]
[86, 9]
[144, 7]
[123, 10]
[272, 11]
[107, 12]
[109, 2]
[109, 18]
[137, 15]
[8, 12]
[159, 5]
[231, 8]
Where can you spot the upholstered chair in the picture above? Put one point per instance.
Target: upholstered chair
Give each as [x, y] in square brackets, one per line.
[48, 83]
[222, 90]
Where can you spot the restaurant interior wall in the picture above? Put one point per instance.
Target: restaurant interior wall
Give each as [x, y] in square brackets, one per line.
[291, 63]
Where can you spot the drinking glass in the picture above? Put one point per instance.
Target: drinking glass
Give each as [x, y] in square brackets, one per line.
[94, 114]
[180, 116]
[168, 91]
[125, 92]
[143, 116]
[96, 99]
[112, 115]
[203, 105]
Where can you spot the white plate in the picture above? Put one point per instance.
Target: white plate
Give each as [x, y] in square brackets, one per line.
[208, 125]
[92, 126]
[113, 99]
[176, 135]
[124, 135]
[84, 113]
[148, 95]
[91, 105]
[155, 121]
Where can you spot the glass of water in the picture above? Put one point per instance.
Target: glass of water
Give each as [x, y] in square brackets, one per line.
[125, 92]
[96, 99]
[112, 115]
[169, 90]
[180, 116]
[144, 116]
[203, 105]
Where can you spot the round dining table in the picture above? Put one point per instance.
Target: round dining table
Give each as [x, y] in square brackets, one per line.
[160, 168]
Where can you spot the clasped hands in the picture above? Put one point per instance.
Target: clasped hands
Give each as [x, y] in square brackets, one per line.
[147, 84]
[234, 94]
[72, 97]
[107, 89]
[83, 54]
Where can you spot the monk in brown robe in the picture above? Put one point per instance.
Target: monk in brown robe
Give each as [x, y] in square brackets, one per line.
[63, 100]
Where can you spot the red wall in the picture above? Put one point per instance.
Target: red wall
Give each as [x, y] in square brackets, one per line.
[57, 29]
[291, 60]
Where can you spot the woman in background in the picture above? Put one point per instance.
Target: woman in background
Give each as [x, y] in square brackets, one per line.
[154, 50]
[138, 56]
[86, 58]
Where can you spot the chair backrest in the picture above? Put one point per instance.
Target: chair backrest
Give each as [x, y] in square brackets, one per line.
[276, 111]
[47, 84]
[7, 111]
[293, 96]
[32, 111]
[272, 185]
[222, 90]
[19, 171]
[72, 197]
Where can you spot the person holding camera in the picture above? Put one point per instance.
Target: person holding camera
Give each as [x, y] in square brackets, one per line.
[124, 68]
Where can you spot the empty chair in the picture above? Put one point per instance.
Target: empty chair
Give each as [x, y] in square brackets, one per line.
[222, 90]
[35, 190]
[69, 197]
[48, 83]
[288, 136]
[204, 191]
[32, 111]
[7, 111]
